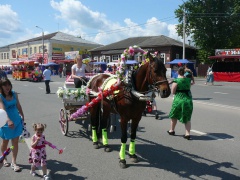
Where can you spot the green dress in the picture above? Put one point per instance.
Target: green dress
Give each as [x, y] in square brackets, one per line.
[182, 105]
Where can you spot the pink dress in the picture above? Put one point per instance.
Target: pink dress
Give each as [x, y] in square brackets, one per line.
[38, 155]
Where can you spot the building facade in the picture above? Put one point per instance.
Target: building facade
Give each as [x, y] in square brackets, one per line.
[169, 49]
[55, 46]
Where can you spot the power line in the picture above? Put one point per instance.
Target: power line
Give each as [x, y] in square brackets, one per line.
[129, 27]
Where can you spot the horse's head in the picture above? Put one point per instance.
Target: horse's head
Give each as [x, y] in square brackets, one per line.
[157, 76]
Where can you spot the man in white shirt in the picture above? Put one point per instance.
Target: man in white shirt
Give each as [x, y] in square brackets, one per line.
[47, 78]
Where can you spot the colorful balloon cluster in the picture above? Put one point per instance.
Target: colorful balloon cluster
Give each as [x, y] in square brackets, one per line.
[81, 111]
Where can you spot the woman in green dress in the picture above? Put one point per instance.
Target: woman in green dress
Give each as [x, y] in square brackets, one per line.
[182, 105]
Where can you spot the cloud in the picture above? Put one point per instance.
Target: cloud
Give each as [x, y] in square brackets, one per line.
[81, 20]
[9, 21]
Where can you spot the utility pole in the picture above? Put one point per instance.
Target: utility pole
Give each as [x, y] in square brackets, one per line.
[42, 43]
[184, 26]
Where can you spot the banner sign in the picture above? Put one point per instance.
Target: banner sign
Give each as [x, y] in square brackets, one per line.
[227, 52]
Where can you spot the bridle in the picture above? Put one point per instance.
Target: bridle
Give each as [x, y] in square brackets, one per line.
[154, 83]
[152, 86]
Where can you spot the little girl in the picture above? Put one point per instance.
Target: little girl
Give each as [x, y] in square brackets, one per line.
[38, 153]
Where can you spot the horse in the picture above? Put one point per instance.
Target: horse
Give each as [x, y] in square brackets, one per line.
[151, 76]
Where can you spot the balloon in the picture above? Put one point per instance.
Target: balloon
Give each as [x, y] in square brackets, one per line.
[3, 117]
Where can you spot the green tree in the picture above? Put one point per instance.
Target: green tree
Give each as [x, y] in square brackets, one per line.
[211, 24]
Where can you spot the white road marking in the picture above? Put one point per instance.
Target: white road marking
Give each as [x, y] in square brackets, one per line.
[40, 87]
[208, 135]
[220, 93]
[217, 105]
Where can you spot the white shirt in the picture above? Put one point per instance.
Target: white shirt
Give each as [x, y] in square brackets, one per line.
[79, 71]
[47, 74]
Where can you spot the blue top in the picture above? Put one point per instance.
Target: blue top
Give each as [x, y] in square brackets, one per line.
[47, 74]
[13, 114]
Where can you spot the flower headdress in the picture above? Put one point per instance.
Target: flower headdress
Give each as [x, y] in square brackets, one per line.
[124, 56]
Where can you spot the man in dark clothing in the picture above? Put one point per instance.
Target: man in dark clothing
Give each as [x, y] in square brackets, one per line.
[2, 74]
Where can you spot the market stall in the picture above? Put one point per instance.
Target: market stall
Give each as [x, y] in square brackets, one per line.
[226, 65]
[22, 69]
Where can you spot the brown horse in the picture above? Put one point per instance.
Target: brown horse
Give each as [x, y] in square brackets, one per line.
[149, 77]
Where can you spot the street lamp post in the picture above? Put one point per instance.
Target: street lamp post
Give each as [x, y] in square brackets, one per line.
[42, 43]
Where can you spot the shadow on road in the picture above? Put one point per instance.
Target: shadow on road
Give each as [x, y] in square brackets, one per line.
[202, 99]
[186, 165]
[59, 166]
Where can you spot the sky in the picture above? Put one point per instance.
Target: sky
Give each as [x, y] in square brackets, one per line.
[100, 21]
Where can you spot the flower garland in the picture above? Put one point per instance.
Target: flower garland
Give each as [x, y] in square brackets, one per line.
[81, 111]
[78, 94]
[124, 56]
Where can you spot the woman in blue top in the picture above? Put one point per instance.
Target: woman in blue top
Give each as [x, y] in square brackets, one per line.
[14, 126]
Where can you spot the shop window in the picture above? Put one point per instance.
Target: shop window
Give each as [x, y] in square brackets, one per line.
[30, 50]
[177, 56]
[7, 55]
[115, 57]
[35, 49]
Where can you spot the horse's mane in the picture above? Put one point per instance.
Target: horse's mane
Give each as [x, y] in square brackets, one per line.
[159, 65]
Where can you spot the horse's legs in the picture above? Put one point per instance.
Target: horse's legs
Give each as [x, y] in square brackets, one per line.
[105, 136]
[134, 127]
[122, 153]
[94, 123]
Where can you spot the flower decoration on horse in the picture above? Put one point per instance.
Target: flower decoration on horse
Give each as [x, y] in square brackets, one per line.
[127, 53]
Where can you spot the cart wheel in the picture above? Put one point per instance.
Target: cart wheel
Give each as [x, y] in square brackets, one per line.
[63, 119]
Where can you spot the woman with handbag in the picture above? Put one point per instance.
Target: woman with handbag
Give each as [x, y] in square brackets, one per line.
[210, 77]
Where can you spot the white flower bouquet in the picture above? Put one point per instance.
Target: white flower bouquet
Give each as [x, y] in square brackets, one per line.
[77, 94]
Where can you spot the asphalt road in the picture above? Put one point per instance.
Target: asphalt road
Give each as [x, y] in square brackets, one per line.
[212, 154]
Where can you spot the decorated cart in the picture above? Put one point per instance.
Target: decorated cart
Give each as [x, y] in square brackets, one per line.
[22, 69]
[72, 99]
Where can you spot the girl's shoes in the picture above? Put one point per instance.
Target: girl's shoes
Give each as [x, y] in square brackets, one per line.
[33, 173]
[46, 177]
[15, 167]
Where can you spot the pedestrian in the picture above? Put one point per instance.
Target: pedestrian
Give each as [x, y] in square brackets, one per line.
[64, 70]
[60, 70]
[13, 128]
[78, 72]
[47, 79]
[189, 74]
[38, 156]
[182, 105]
[2, 74]
[209, 75]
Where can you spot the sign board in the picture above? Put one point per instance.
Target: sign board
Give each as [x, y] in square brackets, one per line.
[71, 54]
[227, 52]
